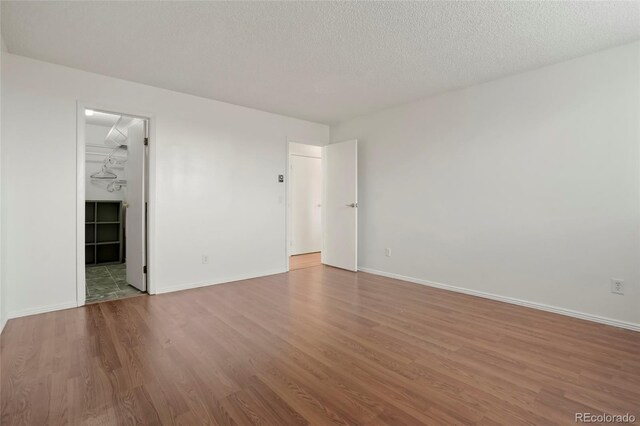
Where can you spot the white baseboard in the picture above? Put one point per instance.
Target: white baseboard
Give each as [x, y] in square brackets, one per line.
[74, 304]
[3, 322]
[190, 286]
[534, 305]
[514, 301]
[42, 309]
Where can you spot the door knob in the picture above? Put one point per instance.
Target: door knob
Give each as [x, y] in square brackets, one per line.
[354, 205]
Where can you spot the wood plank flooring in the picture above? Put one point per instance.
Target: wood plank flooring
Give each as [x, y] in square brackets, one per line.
[314, 346]
[302, 261]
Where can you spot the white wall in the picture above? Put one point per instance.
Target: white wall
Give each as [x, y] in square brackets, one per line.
[525, 187]
[217, 191]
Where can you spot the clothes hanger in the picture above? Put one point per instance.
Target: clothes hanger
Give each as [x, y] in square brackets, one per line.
[104, 174]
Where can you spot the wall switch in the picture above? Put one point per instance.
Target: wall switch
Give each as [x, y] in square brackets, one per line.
[387, 252]
[617, 286]
[205, 259]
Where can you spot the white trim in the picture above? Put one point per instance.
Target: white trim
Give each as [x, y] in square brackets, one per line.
[287, 213]
[151, 200]
[227, 280]
[42, 309]
[514, 301]
[323, 205]
[80, 197]
[80, 193]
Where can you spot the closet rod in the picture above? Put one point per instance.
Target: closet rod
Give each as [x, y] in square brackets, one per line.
[103, 153]
[95, 145]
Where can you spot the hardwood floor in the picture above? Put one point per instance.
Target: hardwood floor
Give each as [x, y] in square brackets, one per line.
[314, 346]
[302, 261]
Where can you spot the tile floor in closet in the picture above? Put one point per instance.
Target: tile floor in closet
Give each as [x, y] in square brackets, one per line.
[107, 283]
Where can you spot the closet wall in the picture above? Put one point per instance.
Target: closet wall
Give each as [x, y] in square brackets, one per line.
[94, 189]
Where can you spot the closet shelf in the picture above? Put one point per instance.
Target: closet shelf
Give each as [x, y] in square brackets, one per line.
[101, 243]
[104, 240]
[101, 223]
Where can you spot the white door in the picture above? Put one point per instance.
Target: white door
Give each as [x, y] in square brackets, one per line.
[135, 219]
[306, 200]
[340, 205]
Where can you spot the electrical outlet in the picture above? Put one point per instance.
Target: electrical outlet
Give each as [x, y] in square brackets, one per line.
[387, 252]
[205, 259]
[617, 286]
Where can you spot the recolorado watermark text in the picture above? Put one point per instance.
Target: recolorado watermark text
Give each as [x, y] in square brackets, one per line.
[604, 418]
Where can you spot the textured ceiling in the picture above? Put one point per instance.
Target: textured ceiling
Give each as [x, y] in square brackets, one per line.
[322, 61]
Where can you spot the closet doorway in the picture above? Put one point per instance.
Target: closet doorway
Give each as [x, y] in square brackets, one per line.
[115, 176]
[305, 205]
[322, 205]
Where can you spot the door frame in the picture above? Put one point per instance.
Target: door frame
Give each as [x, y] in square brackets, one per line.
[287, 195]
[81, 196]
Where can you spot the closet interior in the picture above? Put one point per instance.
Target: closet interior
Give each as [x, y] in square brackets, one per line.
[110, 168]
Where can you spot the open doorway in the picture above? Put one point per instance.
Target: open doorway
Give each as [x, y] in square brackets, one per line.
[305, 205]
[115, 207]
